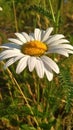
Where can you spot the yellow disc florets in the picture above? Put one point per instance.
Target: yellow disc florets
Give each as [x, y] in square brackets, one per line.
[34, 48]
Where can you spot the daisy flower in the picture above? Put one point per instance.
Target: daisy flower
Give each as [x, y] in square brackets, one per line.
[32, 50]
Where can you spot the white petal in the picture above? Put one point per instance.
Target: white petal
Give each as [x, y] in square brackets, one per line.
[58, 42]
[26, 36]
[31, 63]
[39, 68]
[9, 53]
[11, 61]
[31, 35]
[51, 64]
[21, 37]
[10, 45]
[42, 34]
[3, 46]
[69, 51]
[47, 33]
[59, 51]
[55, 38]
[37, 34]
[61, 46]
[15, 41]
[22, 64]
[49, 74]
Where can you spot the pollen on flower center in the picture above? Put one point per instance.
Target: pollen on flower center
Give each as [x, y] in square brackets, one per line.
[34, 48]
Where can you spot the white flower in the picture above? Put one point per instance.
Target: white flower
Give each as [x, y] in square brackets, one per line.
[32, 50]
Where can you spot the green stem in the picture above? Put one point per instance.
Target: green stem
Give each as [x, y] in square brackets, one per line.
[52, 12]
[16, 24]
[58, 15]
[38, 93]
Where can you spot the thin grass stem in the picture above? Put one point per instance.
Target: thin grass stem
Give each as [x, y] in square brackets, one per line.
[58, 15]
[52, 12]
[15, 18]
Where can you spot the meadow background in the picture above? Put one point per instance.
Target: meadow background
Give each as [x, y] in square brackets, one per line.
[27, 102]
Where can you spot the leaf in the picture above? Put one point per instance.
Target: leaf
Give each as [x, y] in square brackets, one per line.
[27, 127]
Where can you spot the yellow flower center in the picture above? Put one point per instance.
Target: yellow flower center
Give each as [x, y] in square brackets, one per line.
[34, 48]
